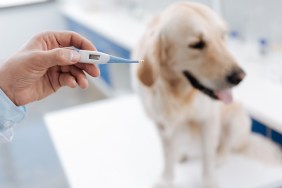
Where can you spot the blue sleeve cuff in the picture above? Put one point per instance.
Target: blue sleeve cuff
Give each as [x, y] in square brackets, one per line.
[10, 115]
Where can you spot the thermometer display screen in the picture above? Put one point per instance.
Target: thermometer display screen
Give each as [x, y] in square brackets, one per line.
[93, 56]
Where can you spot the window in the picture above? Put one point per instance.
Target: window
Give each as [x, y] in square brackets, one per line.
[11, 3]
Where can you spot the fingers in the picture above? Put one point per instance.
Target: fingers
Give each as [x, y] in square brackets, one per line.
[69, 38]
[66, 38]
[91, 69]
[62, 57]
[66, 79]
[70, 76]
[53, 54]
[58, 56]
[78, 74]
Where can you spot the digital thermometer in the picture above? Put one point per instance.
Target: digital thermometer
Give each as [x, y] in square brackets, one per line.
[95, 57]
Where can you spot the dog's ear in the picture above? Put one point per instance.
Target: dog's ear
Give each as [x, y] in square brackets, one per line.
[154, 53]
[146, 73]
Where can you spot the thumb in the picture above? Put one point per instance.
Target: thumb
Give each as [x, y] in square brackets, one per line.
[61, 56]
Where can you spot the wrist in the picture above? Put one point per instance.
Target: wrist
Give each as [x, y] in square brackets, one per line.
[6, 87]
[8, 93]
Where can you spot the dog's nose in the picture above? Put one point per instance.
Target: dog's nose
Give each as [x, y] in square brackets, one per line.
[236, 77]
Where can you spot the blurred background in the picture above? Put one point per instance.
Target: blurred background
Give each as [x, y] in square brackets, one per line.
[114, 26]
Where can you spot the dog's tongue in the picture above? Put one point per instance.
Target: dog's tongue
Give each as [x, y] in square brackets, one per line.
[225, 96]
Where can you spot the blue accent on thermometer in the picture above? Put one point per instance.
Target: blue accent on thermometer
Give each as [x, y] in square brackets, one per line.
[95, 57]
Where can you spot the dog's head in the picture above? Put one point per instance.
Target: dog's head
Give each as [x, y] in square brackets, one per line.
[188, 40]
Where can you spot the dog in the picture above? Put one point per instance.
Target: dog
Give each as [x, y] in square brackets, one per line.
[185, 86]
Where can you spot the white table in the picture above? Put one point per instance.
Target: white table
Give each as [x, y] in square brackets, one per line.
[262, 99]
[112, 144]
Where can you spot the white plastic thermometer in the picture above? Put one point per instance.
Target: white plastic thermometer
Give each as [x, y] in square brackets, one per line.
[95, 57]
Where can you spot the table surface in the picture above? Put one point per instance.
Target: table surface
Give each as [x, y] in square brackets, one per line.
[112, 143]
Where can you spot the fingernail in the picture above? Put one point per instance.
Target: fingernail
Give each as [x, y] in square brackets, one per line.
[75, 56]
[74, 83]
[84, 84]
[98, 72]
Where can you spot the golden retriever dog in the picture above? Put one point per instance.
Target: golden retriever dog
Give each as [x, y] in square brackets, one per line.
[185, 85]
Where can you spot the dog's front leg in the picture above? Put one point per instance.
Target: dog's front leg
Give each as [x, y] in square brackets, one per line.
[167, 177]
[210, 138]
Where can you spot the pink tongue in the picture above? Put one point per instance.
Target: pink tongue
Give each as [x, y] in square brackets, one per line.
[225, 96]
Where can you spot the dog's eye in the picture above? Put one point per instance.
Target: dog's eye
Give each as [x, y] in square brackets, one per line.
[198, 45]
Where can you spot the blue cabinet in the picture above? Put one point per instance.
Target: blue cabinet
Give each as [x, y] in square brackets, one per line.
[265, 131]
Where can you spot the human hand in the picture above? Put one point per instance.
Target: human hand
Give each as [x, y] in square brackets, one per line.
[43, 66]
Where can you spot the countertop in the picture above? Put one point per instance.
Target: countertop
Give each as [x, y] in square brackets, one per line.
[112, 143]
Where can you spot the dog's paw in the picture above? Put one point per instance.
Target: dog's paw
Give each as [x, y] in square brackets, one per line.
[222, 160]
[210, 183]
[164, 184]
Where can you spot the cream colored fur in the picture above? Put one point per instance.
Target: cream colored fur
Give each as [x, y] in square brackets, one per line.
[191, 124]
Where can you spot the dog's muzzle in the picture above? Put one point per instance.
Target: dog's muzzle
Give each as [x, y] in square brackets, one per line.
[196, 84]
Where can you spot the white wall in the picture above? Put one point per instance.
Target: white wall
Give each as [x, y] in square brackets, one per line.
[18, 24]
[255, 18]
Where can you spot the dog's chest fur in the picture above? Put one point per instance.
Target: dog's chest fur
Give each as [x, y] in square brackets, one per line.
[181, 111]
[174, 103]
